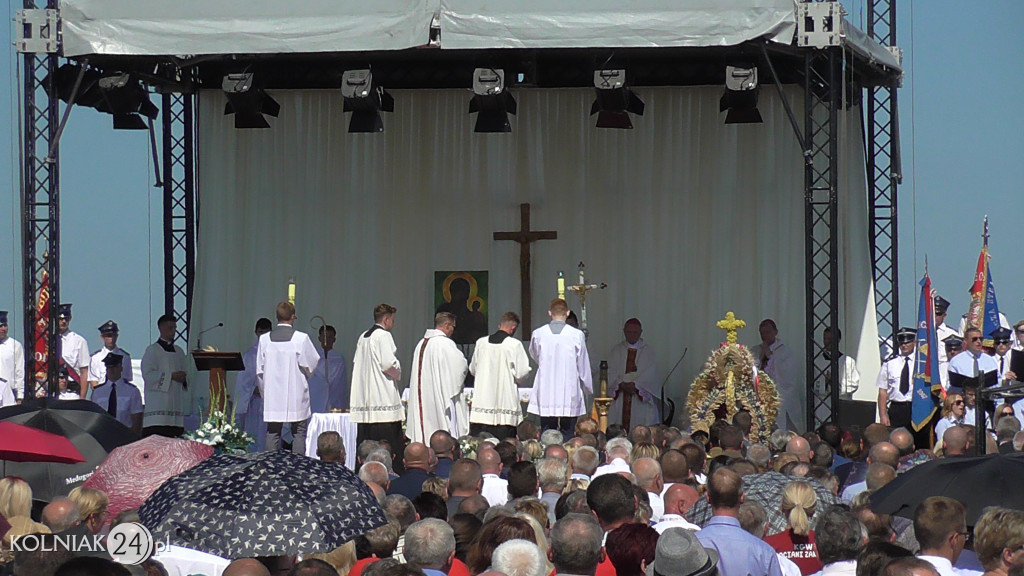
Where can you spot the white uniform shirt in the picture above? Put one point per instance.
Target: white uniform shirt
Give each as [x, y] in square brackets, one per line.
[783, 369]
[942, 331]
[674, 521]
[563, 371]
[326, 393]
[75, 351]
[129, 399]
[498, 364]
[1002, 365]
[889, 378]
[374, 396]
[964, 364]
[98, 370]
[167, 400]
[495, 490]
[435, 388]
[281, 366]
[646, 409]
[12, 371]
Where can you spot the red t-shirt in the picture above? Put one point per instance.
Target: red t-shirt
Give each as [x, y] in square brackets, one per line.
[799, 549]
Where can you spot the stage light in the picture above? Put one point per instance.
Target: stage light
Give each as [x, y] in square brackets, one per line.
[117, 94]
[614, 100]
[247, 101]
[491, 101]
[365, 101]
[740, 97]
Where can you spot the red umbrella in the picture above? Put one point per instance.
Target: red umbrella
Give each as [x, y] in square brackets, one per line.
[131, 473]
[25, 444]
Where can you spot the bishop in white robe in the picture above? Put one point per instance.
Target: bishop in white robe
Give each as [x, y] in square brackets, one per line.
[439, 370]
[375, 405]
[165, 374]
[563, 372]
[328, 386]
[284, 360]
[775, 358]
[499, 363]
[248, 401]
[633, 380]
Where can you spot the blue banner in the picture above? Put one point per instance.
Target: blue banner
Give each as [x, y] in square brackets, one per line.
[926, 361]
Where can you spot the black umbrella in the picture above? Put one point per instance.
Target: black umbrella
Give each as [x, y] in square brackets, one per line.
[262, 504]
[992, 480]
[88, 426]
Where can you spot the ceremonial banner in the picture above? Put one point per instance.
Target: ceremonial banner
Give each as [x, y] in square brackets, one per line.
[39, 350]
[926, 360]
[465, 295]
[984, 311]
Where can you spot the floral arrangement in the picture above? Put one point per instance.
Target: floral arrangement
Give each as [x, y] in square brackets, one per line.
[727, 381]
[468, 446]
[220, 430]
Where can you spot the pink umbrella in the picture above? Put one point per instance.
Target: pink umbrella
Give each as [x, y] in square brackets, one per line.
[131, 473]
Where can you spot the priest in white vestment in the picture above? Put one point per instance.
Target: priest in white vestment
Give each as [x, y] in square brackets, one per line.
[328, 386]
[499, 364]
[165, 373]
[375, 405]
[775, 358]
[284, 361]
[439, 371]
[563, 372]
[248, 401]
[633, 380]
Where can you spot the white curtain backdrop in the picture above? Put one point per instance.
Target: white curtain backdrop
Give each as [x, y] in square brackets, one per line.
[684, 217]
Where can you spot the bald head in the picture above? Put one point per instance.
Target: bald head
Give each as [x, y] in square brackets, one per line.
[879, 475]
[246, 567]
[417, 455]
[490, 461]
[648, 474]
[61, 514]
[799, 447]
[884, 453]
[556, 451]
[679, 498]
[955, 441]
[903, 440]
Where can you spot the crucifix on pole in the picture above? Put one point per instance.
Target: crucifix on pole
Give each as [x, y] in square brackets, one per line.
[525, 236]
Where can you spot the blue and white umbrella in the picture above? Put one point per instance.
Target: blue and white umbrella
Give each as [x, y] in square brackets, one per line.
[262, 504]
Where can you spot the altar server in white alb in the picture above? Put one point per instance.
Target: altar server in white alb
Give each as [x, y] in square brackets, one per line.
[97, 369]
[12, 365]
[248, 399]
[165, 374]
[499, 364]
[284, 361]
[74, 351]
[633, 380]
[775, 358]
[435, 385]
[329, 391]
[375, 405]
[563, 372]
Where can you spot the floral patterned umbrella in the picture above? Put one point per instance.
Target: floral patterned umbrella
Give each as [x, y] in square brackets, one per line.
[131, 473]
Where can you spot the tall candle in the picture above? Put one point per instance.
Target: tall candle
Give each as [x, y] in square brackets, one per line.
[561, 285]
[604, 379]
[291, 291]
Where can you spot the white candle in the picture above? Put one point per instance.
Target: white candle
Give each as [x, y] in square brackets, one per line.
[561, 285]
[291, 291]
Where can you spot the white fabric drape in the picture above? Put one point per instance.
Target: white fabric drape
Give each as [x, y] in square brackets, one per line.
[684, 217]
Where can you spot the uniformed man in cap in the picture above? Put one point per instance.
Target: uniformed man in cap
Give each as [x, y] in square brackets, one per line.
[97, 369]
[951, 346]
[74, 351]
[943, 331]
[66, 390]
[118, 396]
[896, 382]
[12, 365]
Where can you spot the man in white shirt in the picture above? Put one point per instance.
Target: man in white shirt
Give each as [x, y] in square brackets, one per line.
[165, 375]
[328, 386]
[499, 363]
[248, 401]
[119, 397]
[74, 351]
[435, 385]
[617, 452]
[648, 476]
[375, 404]
[284, 361]
[495, 489]
[12, 365]
[679, 498]
[940, 526]
[97, 369]
[563, 372]
[633, 380]
[895, 382]
[775, 358]
[943, 331]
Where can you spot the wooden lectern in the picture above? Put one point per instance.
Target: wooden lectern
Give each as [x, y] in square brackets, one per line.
[218, 364]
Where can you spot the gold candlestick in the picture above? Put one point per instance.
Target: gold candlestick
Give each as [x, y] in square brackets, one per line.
[602, 403]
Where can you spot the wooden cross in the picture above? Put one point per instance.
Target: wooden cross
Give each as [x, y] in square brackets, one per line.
[524, 236]
[730, 324]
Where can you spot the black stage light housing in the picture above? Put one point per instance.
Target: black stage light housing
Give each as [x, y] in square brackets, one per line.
[491, 101]
[614, 101]
[740, 96]
[365, 101]
[247, 101]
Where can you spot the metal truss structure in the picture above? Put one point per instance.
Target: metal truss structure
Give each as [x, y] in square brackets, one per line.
[40, 194]
[179, 219]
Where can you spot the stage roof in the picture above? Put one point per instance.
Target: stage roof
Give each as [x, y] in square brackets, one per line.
[187, 29]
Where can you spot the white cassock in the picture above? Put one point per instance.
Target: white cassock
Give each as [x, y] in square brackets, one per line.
[248, 405]
[374, 397]
[283, 358]
[12, 371]
[942, 331]
[435, 388]
[327, 393]
[783, 369]
[499, 363]
[167, 401]
[563, 371]
[645, 408]
[98, 370]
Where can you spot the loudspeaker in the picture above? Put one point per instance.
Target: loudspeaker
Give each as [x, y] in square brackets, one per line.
[856, 412]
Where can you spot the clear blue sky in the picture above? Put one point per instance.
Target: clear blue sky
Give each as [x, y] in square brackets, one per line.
[963, 157]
